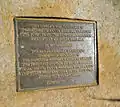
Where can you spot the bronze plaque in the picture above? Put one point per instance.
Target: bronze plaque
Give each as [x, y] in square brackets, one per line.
[55, 53]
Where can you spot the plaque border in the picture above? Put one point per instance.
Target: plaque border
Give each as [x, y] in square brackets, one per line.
[55, 19]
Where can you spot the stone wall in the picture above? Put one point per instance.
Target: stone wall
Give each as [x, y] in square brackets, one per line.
[105, 12]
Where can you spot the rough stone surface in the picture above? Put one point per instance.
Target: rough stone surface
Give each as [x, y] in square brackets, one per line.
[105, 12]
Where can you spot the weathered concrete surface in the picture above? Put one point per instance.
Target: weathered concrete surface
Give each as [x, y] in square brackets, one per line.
[106, 12]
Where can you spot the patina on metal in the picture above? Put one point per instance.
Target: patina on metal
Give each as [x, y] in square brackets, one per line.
[54, 53]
